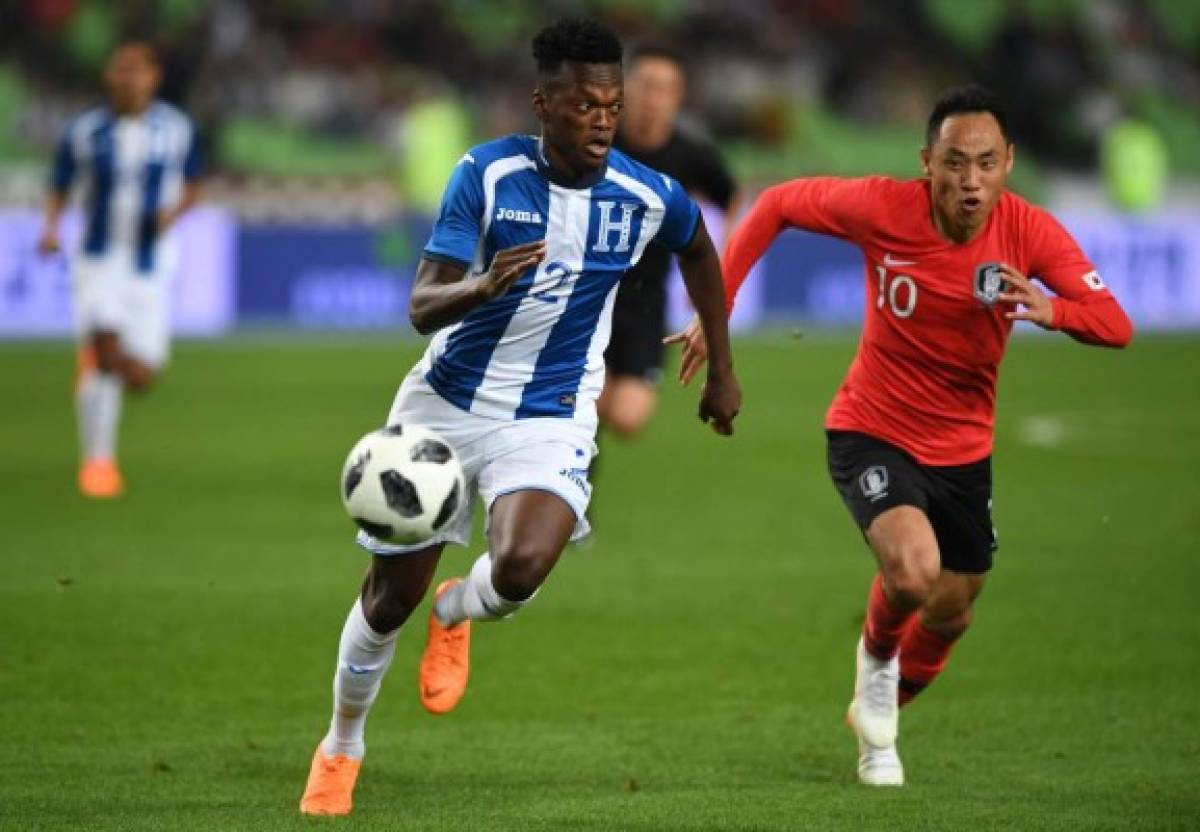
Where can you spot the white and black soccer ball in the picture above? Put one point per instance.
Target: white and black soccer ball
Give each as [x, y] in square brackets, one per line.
[402, 484]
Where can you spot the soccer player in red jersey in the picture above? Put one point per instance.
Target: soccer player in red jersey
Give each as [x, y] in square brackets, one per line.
[910, 431]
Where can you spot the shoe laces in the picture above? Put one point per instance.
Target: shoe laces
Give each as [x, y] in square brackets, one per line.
[880, 689]
[449, 641]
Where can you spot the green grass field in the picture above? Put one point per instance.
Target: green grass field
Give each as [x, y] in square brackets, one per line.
[166, 660]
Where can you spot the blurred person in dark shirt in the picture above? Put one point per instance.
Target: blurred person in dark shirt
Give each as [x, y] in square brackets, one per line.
[655, 87]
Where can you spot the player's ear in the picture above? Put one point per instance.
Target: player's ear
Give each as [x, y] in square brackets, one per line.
[1008, 166]
[539, 103]
[925, 161]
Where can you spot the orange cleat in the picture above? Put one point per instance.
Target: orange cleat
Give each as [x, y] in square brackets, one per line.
[330, 784]
[100, 479]
[445, 662]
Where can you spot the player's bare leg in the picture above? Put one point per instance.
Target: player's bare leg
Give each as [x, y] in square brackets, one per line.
[98, 393]
[527, 532]
[930, 636]
[392, 589]
[905, 548]
[626, 405]
[105, 372]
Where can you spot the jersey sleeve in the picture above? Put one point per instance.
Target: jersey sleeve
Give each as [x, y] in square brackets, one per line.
[823, 205]
[62, 171]
[1083, 308]
[680, 218]
[460, 219]
[193, 158]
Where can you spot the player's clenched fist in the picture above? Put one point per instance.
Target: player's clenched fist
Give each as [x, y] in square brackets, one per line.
[719, 403]
[508, 265]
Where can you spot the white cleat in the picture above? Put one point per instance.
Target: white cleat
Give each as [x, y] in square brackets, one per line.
[879, 766]
[874, 712]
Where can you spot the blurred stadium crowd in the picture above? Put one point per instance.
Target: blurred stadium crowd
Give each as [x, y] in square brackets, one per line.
[368, 102]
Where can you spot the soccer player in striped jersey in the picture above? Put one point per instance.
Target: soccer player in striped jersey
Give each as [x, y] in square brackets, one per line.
[910, 431]
[517, 284]
[138, 164]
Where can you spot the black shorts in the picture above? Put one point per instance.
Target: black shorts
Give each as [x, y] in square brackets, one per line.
[636, 347]
[873, 476]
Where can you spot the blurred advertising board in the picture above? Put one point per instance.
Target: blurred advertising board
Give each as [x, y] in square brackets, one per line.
[35, 289]
[317, 277]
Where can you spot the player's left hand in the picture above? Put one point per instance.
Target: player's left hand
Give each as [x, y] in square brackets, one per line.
[695, 349]
[720, 401]
[1023, 293]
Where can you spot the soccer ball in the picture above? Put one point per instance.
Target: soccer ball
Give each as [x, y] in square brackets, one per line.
[402, 484]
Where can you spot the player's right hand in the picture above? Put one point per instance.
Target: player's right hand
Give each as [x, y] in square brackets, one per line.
[48, 243]
[695, 350]
[508, 265]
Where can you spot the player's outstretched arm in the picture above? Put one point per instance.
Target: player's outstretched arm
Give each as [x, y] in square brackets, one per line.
[187, 200]
[442, 293]
[1090, 316]
[701, 269]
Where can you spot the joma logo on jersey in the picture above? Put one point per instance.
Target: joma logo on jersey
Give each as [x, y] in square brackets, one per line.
[516, 215]
[989, 282]
[579, 477]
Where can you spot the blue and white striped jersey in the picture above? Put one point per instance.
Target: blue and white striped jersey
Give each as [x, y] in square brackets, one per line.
[130, 167]
[539, 349]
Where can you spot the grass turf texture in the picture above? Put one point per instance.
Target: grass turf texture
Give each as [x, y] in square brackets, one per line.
[165, 660]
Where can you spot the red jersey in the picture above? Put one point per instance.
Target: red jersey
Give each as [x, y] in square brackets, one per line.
[924, 377]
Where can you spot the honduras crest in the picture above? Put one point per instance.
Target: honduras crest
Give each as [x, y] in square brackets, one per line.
[989, 282]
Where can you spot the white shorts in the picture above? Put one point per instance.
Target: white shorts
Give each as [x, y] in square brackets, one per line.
[111, 296]
[498, 458]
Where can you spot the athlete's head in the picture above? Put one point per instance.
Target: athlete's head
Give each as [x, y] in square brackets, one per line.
[578, 97]
[132, 75]
[655, 86]
[967, 157]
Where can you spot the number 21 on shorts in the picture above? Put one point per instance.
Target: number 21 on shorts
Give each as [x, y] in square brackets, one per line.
[900, 293]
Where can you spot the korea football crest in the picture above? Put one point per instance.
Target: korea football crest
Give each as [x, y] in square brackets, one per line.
[989, 283]
[874, 482]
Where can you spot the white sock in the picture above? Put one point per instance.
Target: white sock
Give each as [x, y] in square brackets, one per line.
[98, 409]
[475, 598]
[363, 658]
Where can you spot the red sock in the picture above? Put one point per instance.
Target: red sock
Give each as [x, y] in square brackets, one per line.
[884, 624]
[923, 655]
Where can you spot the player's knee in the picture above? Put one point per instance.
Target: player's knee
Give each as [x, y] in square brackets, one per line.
[108, 361]
[627, 423]
[520, 568]
[387, 604]
[910, 581]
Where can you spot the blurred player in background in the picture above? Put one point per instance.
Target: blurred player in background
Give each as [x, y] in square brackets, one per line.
[139, 164]
[910, 432]
[655, 88]
[518, 282]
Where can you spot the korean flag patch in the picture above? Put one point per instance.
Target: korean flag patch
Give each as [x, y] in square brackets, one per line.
[1093, 281]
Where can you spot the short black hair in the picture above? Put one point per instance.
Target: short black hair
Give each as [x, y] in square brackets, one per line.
[655, 50]
[578, 40]
[971, 98]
